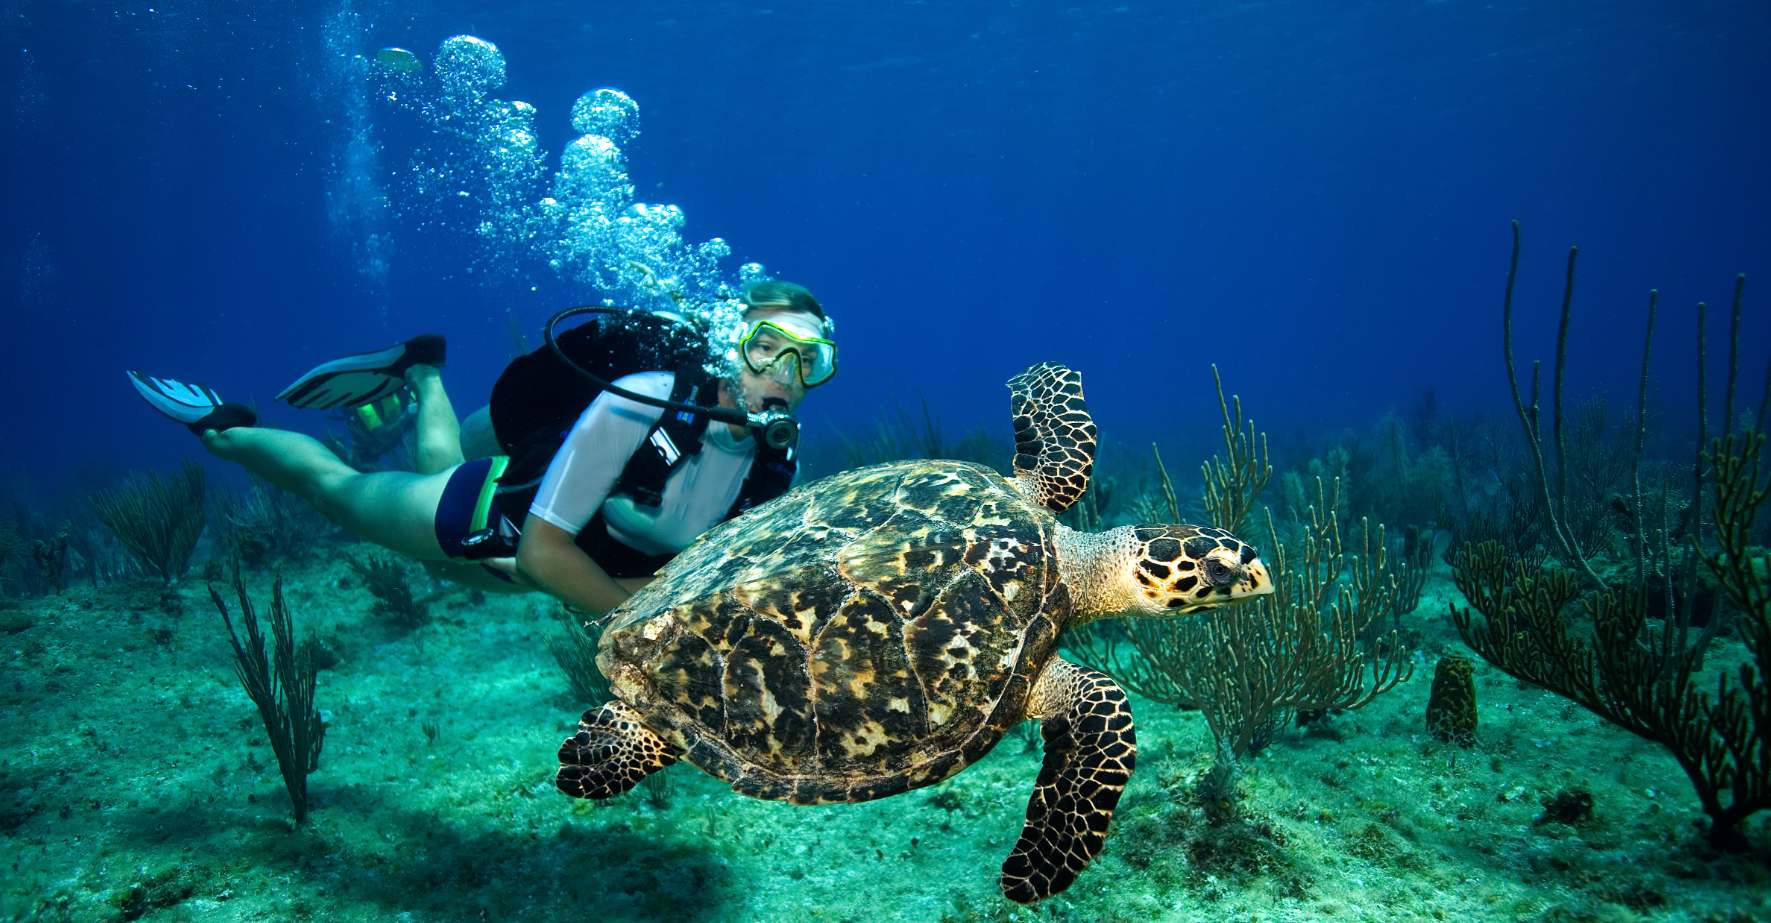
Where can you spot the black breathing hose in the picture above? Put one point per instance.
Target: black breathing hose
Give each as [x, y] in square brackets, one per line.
[774, 426]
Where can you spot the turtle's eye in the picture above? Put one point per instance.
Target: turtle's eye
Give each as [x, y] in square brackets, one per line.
[1217, 573]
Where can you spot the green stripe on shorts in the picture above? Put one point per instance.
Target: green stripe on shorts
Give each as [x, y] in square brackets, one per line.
[482, 508]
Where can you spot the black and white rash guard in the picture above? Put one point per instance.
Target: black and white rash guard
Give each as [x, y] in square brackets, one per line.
[697, 495]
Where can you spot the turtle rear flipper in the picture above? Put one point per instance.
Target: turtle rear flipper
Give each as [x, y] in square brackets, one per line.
[1054, 435]
[1090, 749]
[612, 751]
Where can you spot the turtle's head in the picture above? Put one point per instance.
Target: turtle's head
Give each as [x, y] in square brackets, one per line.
[1182, 569]
[1159, 570]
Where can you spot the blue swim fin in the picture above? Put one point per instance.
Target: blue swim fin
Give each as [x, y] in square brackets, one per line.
[197, 406]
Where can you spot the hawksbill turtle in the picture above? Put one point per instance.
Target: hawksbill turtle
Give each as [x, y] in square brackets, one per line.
[879, 630]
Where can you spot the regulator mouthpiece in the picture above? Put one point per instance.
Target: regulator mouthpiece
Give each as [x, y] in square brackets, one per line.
[774, 426]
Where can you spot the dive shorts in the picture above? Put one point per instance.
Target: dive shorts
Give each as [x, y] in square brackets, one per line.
[469, 523]
[474, 524]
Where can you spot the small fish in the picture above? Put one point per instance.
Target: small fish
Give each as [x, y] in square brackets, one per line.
[398, 60]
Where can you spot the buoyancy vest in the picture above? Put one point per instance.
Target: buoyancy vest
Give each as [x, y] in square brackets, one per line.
[538, 398]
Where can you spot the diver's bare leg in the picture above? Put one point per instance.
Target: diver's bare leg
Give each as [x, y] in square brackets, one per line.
[438, 430]
[394, 509]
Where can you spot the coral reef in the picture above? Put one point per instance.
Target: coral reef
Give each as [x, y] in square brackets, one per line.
[1644, 681]
[281, 684]
[1381, 823]
[159, 519]
[387, 579]
[1413, 558]
[1451, 706]
[1569, 806]
[51, 557]
[266, 525]
[1251, 669]
[1233, 481]
[1648, 680]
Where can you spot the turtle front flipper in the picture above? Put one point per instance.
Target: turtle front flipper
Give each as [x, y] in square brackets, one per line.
[1089, 752]
[1054, 435]
[612, 751]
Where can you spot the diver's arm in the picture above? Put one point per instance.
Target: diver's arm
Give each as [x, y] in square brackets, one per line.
[548, 557]
[578, 480]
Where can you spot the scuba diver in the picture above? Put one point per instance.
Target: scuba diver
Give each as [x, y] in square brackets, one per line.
[619, 447]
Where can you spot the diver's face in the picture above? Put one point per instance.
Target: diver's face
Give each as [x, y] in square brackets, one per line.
[780, 380]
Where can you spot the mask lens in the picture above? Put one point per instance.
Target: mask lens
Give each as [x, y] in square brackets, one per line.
[817, 363]
[766, 344]
[761, 347]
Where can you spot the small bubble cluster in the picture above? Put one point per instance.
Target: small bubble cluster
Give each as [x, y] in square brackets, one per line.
[355, 203]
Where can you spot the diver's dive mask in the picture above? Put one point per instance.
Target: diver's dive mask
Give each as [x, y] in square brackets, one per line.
[766, 343]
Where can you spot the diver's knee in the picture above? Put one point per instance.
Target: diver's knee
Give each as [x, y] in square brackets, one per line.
[330, 493]
[477, 438]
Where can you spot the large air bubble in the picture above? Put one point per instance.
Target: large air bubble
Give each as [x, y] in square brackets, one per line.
[469, 67]
[607, 112]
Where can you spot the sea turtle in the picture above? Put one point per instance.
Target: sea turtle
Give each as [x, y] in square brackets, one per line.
[881, 629]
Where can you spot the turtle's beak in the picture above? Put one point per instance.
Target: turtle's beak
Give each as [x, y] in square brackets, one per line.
[1256, 581]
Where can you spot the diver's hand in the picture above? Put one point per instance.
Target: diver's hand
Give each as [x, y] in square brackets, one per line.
[505, 566]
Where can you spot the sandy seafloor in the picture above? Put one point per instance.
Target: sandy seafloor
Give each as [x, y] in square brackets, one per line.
[138, 783]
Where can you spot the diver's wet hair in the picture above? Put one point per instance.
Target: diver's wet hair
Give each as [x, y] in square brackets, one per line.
[774, 293]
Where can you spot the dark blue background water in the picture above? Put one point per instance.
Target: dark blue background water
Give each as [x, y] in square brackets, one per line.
[1314, 196]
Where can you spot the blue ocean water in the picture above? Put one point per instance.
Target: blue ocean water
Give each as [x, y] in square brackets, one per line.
[1314, 197]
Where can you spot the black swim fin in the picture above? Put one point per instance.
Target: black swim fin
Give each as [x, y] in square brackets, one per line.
[363, 378]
